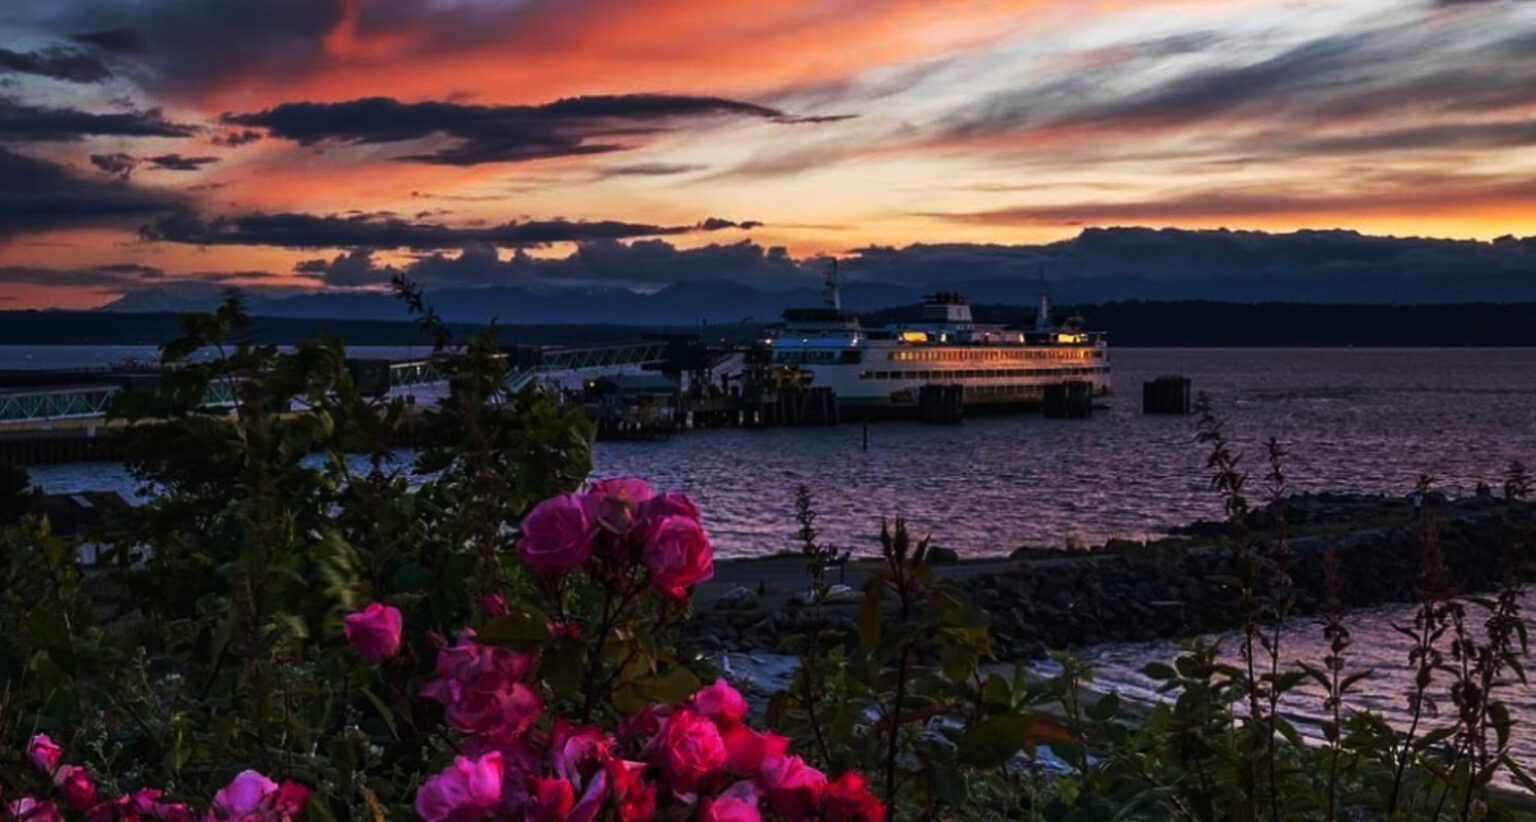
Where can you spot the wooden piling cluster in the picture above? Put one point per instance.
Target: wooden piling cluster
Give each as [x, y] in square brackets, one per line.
[1070, 400]
[794, 405]
[1165, 395]
[941, 404]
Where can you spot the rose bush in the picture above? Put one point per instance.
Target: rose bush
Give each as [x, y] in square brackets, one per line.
[566, 703]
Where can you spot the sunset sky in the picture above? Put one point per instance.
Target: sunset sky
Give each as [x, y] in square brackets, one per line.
[322, 143]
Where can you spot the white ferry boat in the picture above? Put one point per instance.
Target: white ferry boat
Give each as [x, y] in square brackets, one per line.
[996, 366]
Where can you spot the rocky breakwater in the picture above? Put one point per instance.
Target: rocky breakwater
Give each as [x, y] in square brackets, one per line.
[1043, 599]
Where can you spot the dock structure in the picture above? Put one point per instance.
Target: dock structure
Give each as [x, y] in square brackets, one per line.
[1165, 395]
[644, 390]
[1070, 400]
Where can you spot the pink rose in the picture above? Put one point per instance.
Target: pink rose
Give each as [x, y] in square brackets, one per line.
[689, 749]
[145, 804]
[374, 632]
[728, 810]
[721, 703]
[746, 750]
[467, 790]
[28, 809]
[492, 605]
[242, 796]
[677, 554]
[75, 785]
[557, 536]
[670, 504]
[549, 800]
[636, 797]
[506, 711]
[43, 754]
[615, 503]
[483, 667]
[289, 800]
[576, 752]
[849, 800]
[737, 803]
[793, 788]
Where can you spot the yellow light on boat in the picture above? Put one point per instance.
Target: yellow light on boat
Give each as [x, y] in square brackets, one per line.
[914, 336]
[1071, 339]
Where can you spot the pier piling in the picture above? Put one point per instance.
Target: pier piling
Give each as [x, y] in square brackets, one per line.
[1165, 395]
[1070, 400]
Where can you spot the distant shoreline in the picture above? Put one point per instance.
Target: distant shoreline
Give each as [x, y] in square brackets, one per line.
[1174, 324]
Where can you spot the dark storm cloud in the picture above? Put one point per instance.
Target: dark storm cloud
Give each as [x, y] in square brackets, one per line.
[1448, 135]
[233, 139]
[176, 162]
[716, 224]
[117, 41]
[594, 263]
[650, 169]
[36, 195]
[118, 165]
[35, 124]
[289, 230]
[57, 63]
[493, 134]
[188, 47]
[107, 276]
[122, 165]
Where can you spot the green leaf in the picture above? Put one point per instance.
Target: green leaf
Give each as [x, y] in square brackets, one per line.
[1159, 670]
[514, 628]
[991, 742]
[1316, 673]
[1106, 708]
[384, 712]
[1353, 678]
[668, 687]
[995, 692]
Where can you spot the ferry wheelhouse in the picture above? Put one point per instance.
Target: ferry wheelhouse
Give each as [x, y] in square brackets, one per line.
[996, 365]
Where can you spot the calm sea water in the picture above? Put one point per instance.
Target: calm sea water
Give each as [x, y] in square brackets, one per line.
[1368, 420]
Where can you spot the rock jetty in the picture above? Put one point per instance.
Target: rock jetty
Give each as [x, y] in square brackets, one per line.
[1042, 599]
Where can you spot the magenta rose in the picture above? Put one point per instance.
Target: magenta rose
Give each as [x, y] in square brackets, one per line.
[794, 789]
[615, 504]
[242, 796]
[670, 504]
[849, 800]
[493, 605]
[746, 750]
[689, 749]
[28, 809]
[504, 712]
[677, 554]
[145, 803]
[374, 632]
[75, 786]
[727, 809]
[483, 667]
[557, 536]
[549, 800]
[467, 790]
[43, 754]
[636, 798]
[721, 703]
